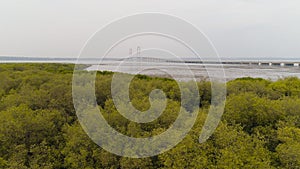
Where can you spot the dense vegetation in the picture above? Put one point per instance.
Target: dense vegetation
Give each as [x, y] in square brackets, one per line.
[260, 127]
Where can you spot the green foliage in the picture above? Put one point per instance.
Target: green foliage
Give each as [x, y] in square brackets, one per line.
[286, 87]
[248, 84]
[39, 129]
[28, 137]
[3, 163]
[251, 111]
[288, 150]
[237, 149]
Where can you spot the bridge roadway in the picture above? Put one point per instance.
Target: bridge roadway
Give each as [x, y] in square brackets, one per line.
[290, 63]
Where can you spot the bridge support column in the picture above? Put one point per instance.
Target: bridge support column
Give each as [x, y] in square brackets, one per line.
[270, 64]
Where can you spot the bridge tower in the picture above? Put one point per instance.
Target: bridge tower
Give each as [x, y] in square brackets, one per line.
[138, 53]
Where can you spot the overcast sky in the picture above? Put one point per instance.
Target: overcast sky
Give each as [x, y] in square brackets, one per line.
[237, 28]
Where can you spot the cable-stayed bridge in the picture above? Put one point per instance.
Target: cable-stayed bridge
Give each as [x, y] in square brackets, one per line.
[295, 63]
[253, 62]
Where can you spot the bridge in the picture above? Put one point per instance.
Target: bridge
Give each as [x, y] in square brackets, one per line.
[265, 63]
[281, 63]
[144, 59]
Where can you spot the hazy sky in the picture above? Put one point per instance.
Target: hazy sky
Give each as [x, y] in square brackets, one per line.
[237, 28]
